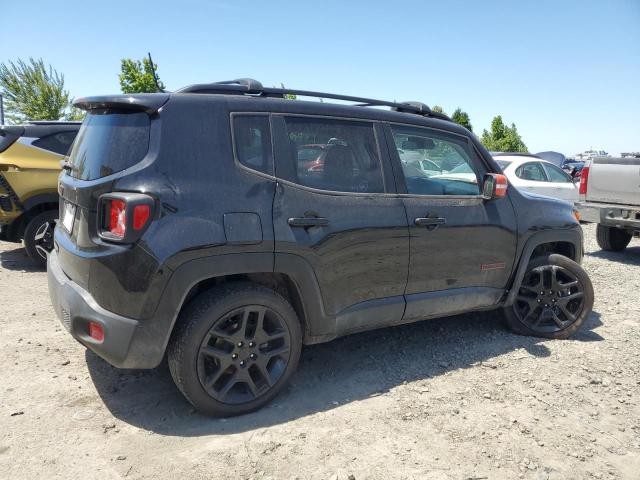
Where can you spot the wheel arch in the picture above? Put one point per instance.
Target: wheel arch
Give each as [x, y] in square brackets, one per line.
[566, 242]
[289, 275]
[32, 207]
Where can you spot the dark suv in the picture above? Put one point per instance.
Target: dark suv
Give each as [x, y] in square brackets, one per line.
[191, 225]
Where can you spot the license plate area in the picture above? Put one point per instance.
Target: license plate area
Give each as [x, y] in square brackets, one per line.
[68, 216]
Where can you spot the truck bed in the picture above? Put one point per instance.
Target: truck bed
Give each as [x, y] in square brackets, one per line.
[614, 181]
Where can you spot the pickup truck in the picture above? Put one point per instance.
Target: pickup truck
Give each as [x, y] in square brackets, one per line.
[610, 196]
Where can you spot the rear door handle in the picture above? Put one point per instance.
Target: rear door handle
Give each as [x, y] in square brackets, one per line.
[308, 222]
[429, 221]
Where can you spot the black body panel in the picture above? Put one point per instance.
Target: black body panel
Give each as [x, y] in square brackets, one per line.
[361, 263]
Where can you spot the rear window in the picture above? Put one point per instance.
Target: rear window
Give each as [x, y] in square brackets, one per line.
[109, 141]
[503, 163]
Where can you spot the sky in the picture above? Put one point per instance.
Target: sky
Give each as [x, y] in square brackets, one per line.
[566, 72]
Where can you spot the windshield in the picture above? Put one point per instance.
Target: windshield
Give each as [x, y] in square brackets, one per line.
[109, 141]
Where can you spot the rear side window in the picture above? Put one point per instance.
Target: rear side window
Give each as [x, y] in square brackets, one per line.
[335, 155]
[59, 143]
[252, 137]
[109, 141]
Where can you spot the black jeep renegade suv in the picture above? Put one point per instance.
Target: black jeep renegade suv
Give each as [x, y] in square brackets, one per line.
[227, 226]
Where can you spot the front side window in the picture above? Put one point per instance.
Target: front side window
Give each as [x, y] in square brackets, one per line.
[436, 163]
[531, 171]
[335, 155]
[556, 174]
[252, 137]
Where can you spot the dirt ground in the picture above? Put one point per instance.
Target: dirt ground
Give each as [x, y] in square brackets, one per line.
[455, 398]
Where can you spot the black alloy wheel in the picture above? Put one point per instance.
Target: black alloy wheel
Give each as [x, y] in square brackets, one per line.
[235, 348]
[550, 299]
[244, 354]
[554, 299]
[44, 239]
[38, 236]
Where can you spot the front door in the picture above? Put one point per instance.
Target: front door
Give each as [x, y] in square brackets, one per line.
[462, 248]
[331, 208]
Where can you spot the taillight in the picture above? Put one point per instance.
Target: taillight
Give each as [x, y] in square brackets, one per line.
[118, 218]
[124, 216]
[584, 179]
[140, 216]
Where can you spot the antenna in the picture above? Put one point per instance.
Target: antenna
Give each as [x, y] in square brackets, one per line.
[153, 72]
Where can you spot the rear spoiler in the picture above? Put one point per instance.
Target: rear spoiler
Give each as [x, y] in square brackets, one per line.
[8, 135]
[144, 102]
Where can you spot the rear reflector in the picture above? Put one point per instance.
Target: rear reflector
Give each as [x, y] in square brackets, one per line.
[118, 218]
[584, 179]
[96, 331]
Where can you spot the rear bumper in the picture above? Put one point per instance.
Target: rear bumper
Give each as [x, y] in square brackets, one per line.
[611, 215]
[76, 308]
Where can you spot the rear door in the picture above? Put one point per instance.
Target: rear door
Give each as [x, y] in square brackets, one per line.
[563, 184]
[462, 248]
[338, 212]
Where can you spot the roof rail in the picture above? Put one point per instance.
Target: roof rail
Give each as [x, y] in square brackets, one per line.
[54, 122]
[249, 86]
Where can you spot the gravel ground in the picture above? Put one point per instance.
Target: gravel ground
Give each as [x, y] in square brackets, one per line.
[455, 398]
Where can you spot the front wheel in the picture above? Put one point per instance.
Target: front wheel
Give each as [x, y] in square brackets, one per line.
[234, 348]
[554, 299]
[38, 236]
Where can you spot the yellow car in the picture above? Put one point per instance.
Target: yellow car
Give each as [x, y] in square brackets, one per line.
[30, 158]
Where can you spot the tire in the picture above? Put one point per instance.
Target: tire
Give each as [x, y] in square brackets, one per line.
[222, 337]
[538, 312]
[38, 236]
[612, 239]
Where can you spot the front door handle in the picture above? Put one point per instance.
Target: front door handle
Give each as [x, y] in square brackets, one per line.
[306, 222]
[430, 222]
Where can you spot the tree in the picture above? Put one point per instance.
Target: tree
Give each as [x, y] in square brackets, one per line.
[288, 96]
[437, 109]
[33, 91]
[502, 138]
[462, 118]
[137, 76]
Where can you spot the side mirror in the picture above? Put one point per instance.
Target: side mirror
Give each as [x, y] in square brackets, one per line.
[494, 186]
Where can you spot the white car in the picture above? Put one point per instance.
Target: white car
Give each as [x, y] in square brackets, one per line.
[532, 174]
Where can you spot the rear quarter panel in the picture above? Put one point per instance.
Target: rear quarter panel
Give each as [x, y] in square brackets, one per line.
[30, 171]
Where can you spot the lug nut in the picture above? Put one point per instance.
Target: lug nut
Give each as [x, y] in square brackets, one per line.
[252, 344]
[242, 363]
[539, 300]
[253, 356]
[240, 344]
[234, 356]
[541, 293]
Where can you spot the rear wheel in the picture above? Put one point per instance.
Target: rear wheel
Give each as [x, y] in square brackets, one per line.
[38, 236]
[612, 238]
[234, 349]
[554, 299]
